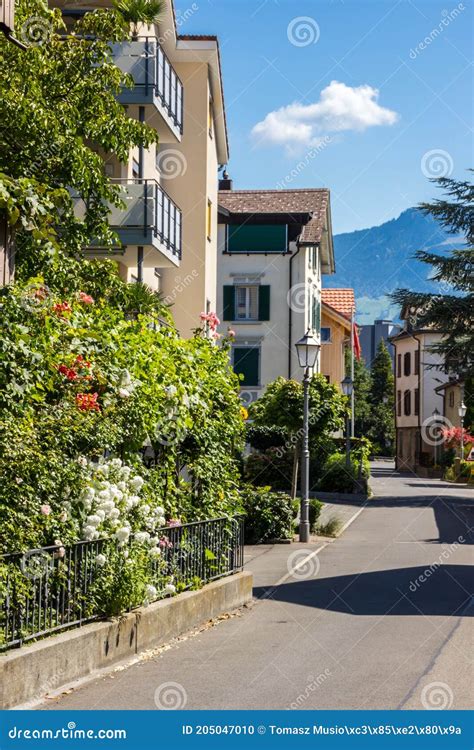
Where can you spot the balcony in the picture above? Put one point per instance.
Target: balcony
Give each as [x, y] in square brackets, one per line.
[156, 81]
[150, 220]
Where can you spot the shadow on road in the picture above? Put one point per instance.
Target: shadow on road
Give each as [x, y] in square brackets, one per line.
[438, 590]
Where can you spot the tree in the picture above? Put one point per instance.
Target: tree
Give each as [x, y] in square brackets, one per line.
[135, 11]
[453, 312]
[382, 417]
[362, 407]
[60, 117]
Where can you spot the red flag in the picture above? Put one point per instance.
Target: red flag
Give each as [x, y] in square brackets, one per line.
[355, 334]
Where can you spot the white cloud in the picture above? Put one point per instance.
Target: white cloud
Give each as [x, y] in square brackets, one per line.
[339, 108]
[375, 308]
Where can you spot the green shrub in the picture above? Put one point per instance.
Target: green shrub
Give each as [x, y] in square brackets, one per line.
[330, 528]
[268, 515]
[272, 468]
[315, 508]
[262, 437]
[336, 477]
[446, 459]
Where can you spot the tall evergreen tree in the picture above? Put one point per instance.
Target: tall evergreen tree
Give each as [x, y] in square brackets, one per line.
[382, 414]
[362, 407]
[449, 311]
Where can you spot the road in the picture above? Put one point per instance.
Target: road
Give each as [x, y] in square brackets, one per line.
[379, 618]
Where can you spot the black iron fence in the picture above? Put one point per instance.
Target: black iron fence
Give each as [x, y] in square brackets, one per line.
[43, 591]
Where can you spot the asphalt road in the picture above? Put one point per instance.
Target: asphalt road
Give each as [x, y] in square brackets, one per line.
[380, 618]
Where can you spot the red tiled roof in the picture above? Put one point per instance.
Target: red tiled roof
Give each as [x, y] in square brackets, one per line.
[313, 202]
[341, 300]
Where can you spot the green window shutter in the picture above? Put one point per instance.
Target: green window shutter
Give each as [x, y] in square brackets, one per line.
[246, 363]
[257, 238]
[264, 303]
[316, 315]
[229, 303]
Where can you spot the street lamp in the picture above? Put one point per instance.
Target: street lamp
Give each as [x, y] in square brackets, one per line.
[435, 415]
[347, 387]
[462, 413]
[307, 349]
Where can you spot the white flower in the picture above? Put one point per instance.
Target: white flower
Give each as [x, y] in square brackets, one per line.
[159, 510]
[145, 509]
[170, 390]
[104, 495]
[142, 536]
[100, 513]
[125, 378]
[122, 534]
[161, 521]
[125, 553]
[125, 472]
[151, 592]
[103, 469]
[116, 463]
[133, 500]
[100, 560]
[170, 589]
[137, 483]
[88, 532]
[155, 552]
[123, 393]
[93, 520]
[122, 486]
[63, 517]
[82, 461]
[114, 514]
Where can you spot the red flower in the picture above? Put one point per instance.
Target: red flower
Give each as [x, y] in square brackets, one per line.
[62, 307]
[87, 401]
[86, 298]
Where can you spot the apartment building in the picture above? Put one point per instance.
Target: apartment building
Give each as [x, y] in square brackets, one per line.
[337, 311]
[416, 380]
[168, 232]
[372, 334]
[273, 248]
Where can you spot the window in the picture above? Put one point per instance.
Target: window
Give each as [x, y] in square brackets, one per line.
[209, 220]
[417, 401]
[315, 259]
[246, 303]
[407, 403]
[246, 362]
[399, 366]
[407, 363]
[325, 335]
[399, 403]
[310, 257]
[451, 398]
[315, 313]
[135, 169]
[416, 366]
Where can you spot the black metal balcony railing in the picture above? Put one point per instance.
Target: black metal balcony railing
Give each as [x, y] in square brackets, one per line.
[145, 60]
[47, 590]
[148, 209]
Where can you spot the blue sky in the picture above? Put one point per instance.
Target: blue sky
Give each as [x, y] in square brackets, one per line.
[391, 112]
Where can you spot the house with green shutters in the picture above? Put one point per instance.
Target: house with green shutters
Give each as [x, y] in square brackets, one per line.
[274, 246]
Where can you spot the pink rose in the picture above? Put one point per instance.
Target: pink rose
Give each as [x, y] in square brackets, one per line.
[45, 510]
[231, 333]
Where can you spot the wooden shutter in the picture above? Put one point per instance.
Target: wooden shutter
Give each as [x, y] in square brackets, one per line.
[246, 363]
[229, 303]
[264, 303]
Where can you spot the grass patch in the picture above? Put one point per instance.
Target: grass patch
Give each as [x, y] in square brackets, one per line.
[330, 528]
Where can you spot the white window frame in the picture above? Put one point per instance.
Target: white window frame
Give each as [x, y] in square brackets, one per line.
[329, 340]
[247, 288]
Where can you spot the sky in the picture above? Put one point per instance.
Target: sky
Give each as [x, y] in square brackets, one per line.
[369, 98]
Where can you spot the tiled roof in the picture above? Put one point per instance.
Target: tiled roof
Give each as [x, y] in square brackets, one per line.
[341, 300]
[312, 202]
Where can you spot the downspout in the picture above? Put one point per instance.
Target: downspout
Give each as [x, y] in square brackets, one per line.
[290, 285]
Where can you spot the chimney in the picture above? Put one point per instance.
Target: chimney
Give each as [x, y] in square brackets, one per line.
[225, 183]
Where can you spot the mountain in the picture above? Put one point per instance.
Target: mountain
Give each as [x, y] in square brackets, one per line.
[378, 260]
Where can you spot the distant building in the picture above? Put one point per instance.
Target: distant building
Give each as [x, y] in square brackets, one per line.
[371, 335]
[337, 308]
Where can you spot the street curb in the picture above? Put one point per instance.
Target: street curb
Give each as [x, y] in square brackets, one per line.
[30, 672]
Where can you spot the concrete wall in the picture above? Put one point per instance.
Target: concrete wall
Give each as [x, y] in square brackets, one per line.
[32, 671]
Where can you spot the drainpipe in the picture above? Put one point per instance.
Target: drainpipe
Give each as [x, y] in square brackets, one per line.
[290, 284]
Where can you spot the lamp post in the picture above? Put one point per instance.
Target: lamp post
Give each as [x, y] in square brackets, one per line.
[347, 386]
[435, 415]
[307, 349]
[462, 413]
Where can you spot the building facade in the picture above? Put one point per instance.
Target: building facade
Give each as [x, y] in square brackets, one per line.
[416, 399]
[168, 231]
[371, 335]
[273, 248]
[337, 310]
